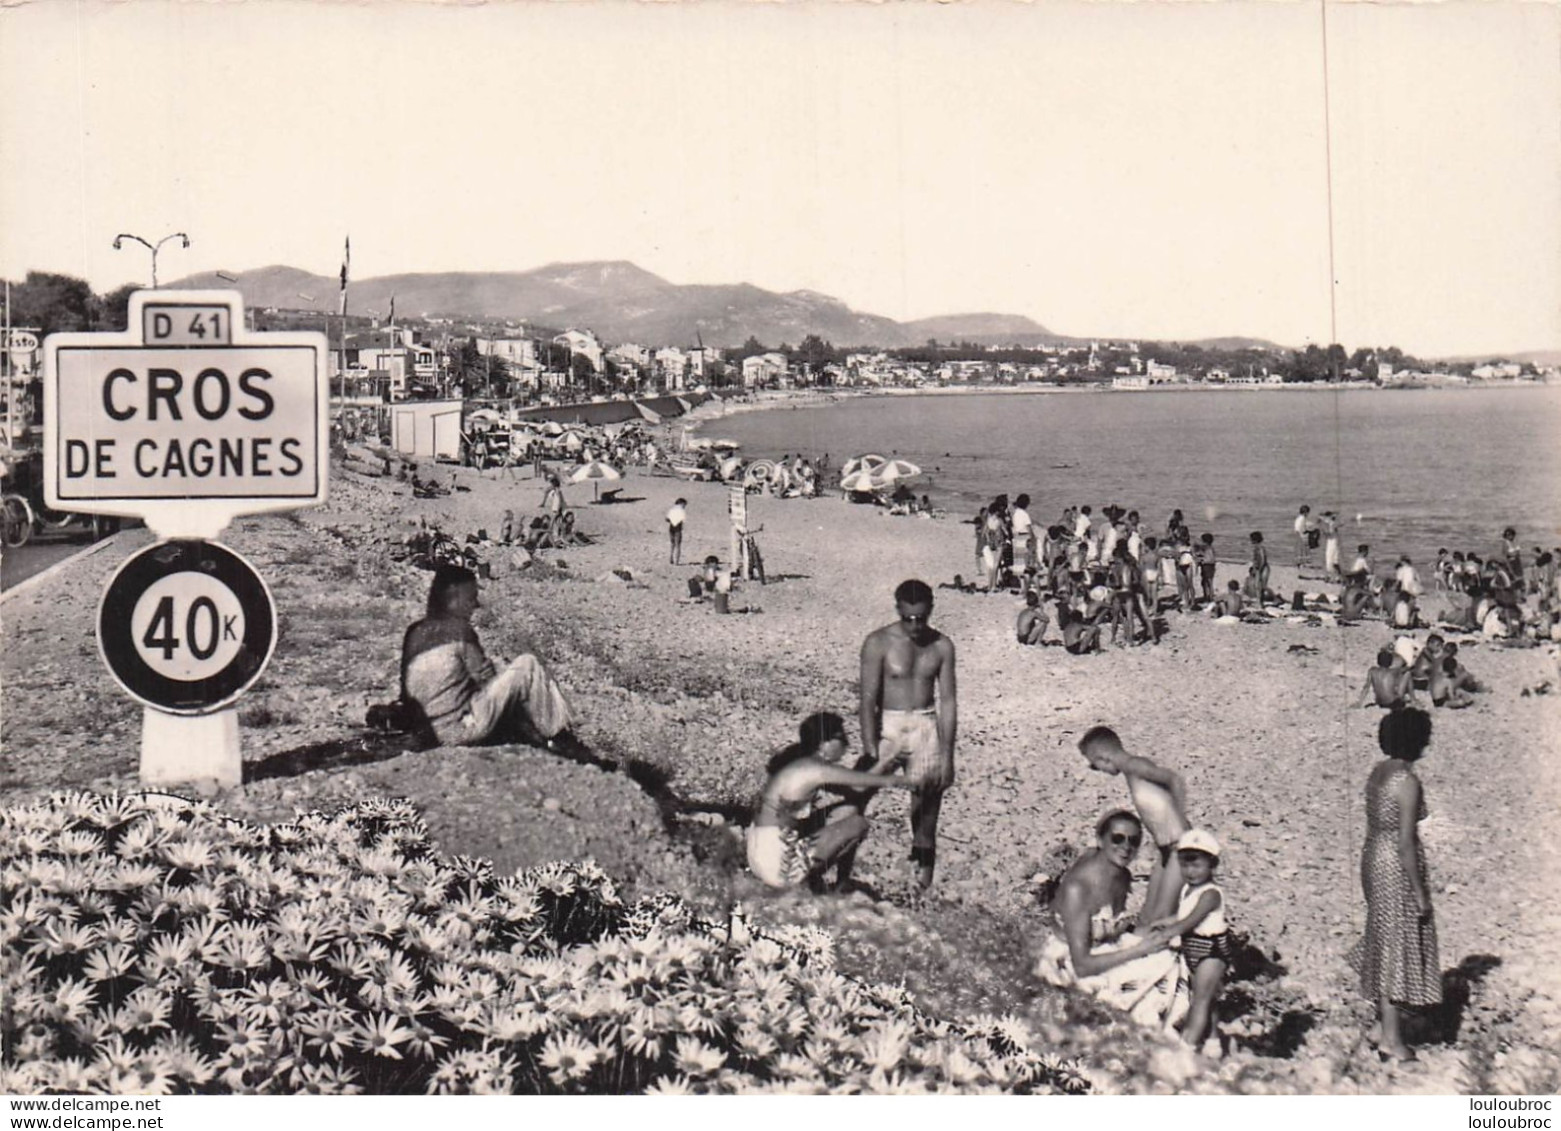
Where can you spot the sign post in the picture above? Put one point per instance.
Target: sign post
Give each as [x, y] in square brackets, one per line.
[186, 420]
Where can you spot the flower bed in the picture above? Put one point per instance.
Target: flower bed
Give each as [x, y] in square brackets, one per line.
[157, 946]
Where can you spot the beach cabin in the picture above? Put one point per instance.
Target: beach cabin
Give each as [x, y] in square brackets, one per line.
[426, 429]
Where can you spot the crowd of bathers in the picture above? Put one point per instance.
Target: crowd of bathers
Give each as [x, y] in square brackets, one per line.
[1105, 572]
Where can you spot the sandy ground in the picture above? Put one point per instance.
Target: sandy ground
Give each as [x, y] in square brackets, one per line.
[1257, 717]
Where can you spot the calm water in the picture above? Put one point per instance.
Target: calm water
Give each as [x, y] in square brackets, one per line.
[1424, 468]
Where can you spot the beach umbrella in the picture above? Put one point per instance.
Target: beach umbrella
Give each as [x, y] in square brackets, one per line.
[725, 445]
[552, 428]
[896, 469]
[598, 472]
[861, 481]
[860, 463]
[759, 472]
[572, 441]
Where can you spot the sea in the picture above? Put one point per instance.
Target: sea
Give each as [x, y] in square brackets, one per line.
[1409, 471]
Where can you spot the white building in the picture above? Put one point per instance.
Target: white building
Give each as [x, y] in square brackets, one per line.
[763, 368]
[582, 343]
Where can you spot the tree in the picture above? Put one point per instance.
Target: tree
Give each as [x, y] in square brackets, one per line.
[112, 311]
[52, 303]
[815, 351]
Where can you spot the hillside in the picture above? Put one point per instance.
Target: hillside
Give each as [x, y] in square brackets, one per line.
[625, 303]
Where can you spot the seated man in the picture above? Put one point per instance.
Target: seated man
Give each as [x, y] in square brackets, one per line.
[1355, 598]
[1388, 683]
[1032, 622]
[466, 701]
[1463, 678]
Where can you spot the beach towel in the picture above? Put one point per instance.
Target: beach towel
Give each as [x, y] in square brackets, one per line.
[1150, 990]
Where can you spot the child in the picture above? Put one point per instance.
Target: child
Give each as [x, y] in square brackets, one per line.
[1445, 691]
[1229, 605]
[1079, 635]
[1259, 571]
[1204, 552]
[1160, 797]
[1032, 622]
[1184, 570]
[1150, 576]
[1200, 924]
[675, 518]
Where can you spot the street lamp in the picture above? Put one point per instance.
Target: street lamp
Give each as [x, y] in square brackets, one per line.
[153, 248]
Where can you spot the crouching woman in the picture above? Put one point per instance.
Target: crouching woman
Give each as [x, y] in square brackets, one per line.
[797, 836]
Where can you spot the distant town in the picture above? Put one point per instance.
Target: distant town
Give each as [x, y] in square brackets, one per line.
[376, 358]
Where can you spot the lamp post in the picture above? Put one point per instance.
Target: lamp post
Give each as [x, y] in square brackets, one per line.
[151, 247]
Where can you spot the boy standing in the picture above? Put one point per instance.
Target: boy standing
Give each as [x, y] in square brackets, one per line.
[675, 518]
[1204, 554]
[1160, 797]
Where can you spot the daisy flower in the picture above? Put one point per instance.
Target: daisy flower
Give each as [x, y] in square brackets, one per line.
[381, 1034]
[568, 1057]
[696, 1058]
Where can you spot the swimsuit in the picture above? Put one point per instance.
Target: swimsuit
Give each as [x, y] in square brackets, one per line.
[914, 733]
[1210, 938]
[778, 853]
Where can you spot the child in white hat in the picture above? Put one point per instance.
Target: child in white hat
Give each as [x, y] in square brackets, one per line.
[1200, 924]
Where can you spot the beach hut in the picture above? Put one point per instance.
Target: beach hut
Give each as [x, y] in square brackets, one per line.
[427, 429]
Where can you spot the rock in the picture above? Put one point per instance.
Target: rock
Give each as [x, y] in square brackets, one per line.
[552, 804]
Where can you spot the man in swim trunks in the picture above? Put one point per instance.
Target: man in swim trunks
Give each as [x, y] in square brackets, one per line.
[909, 706]
[1160, 797]
[1390, 684]
[1031, 625]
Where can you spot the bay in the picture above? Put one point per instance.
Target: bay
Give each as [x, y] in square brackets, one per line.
[1409, 471]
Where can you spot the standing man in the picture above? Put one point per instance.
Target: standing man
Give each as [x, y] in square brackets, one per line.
[1024, 534]
[909, 706]
[1305, 536]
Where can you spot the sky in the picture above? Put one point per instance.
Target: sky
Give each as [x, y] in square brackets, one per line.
[1153, 170]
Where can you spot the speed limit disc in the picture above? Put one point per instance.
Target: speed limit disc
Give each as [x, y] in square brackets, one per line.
[186, 626]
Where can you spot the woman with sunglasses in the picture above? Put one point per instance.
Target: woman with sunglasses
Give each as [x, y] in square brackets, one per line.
[1091, 946]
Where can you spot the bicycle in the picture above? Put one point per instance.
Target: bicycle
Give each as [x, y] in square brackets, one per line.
[16, 525]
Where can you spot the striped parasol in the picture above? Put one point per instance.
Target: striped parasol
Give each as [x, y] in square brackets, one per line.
[859, 463]
[759, 472]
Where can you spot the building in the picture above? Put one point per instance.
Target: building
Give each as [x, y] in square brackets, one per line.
[582, 343]
[763, 369]
[672, 368]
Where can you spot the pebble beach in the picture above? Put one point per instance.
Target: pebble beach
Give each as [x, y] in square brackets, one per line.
[1257, 717]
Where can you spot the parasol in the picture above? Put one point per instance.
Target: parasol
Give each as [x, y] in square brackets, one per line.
[893, 469]
[598, 472]
[859, 463]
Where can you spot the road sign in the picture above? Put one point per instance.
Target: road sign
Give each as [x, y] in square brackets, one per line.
[186, 626]
[185, 420]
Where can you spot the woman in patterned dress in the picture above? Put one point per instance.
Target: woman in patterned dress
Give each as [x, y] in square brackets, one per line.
[791, 842]
[1397, 958]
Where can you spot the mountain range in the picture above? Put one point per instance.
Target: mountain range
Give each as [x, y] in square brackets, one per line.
[621, 302]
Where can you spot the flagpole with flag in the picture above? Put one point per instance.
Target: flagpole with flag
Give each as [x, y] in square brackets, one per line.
[346, 263]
